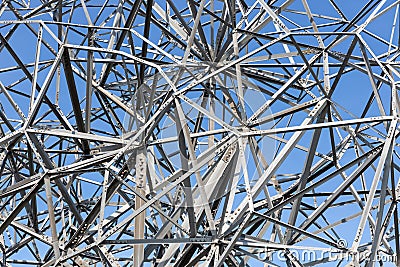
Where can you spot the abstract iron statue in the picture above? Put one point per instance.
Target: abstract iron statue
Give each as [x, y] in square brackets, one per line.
[199, 133]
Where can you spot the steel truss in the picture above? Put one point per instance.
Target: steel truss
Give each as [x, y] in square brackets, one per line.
[199, 133]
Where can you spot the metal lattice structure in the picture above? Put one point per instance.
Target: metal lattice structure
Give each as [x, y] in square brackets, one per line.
[199, 133]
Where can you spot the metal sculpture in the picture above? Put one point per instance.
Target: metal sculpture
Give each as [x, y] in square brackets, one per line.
[199, 133]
